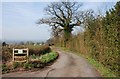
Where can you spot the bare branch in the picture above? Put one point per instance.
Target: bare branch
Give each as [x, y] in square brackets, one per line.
[62, 14]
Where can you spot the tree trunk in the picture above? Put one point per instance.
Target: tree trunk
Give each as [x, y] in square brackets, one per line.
[67, 36]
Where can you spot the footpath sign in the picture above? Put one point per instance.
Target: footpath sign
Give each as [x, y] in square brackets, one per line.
[20, 55]
[20, 51]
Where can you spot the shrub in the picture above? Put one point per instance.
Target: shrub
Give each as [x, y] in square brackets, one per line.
[5, 69]
[38, 50]
[37, 64]
[16, 65]
[28, 65]
[33, 56]
[48, 57]
[6, 54]
[44, 59]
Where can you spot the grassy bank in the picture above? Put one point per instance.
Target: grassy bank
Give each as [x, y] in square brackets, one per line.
[105, 72]
[39, 57]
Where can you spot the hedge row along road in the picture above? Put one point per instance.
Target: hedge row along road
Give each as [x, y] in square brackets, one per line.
[67, 65]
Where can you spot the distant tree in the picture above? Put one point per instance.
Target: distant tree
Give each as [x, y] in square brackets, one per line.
[42, 43]
[4, 44]
[22, 43]
[27, 43]
[63, 16]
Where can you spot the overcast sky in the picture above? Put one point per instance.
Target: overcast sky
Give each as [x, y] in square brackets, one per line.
[19, 19]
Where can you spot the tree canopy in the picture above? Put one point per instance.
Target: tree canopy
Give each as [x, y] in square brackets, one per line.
[62, 15]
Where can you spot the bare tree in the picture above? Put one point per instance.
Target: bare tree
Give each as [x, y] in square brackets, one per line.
[63, 16]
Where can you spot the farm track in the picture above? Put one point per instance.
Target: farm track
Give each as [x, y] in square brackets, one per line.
[67, 65]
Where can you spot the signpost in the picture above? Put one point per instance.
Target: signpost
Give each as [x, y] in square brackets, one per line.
[20, 55]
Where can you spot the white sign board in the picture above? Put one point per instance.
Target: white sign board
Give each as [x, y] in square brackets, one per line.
[20, 51]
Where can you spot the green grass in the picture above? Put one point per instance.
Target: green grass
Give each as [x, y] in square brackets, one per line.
[48, 57]
[5, 69]
[105, 72]
[15, 65]
[45, 58]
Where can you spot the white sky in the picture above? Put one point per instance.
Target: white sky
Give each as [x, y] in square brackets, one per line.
[59, 0]
[18, 19]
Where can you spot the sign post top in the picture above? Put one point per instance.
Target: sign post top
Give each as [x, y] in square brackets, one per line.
[20, 51]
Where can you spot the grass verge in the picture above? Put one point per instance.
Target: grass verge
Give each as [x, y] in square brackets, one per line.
[105, 72]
